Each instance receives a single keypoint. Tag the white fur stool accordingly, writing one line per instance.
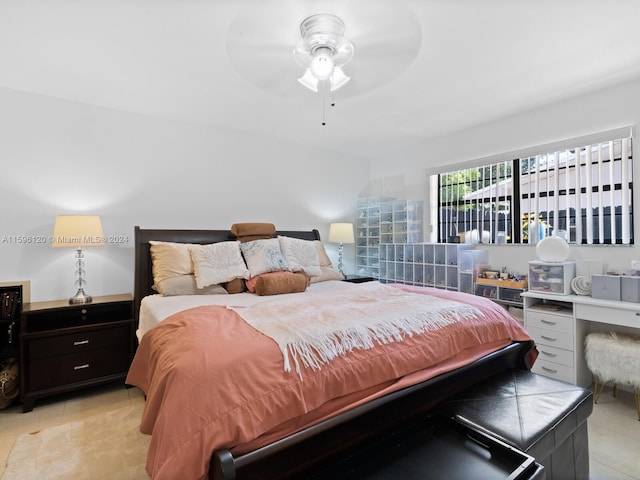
(614, 358)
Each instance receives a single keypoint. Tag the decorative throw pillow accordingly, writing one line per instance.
(217, 263)
(186, 285)
(247, 232)
(327, 272)
(301, 255)
(170, 260)
(276, 283)
(264, 256)
(235, 286)
(325, 261)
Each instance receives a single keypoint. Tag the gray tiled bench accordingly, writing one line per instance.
(540, 416)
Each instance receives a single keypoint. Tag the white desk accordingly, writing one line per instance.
(559, 332)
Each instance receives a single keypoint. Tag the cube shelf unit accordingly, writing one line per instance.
(384, 220)
(468, 264)
(422, 264)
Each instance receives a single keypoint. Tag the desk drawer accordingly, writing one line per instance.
(549, 321)
(619, 316)
(554, 370)
(552, 338)
(78, 342)
(555, 355)
(60, 370)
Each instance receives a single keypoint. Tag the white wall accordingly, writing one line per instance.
(605, 110)
(62, 157)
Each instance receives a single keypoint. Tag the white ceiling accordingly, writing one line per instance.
(422, 68)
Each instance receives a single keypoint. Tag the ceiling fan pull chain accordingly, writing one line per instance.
(323, 122)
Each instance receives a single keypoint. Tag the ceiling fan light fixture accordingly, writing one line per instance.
(322, 66)
(323, 50)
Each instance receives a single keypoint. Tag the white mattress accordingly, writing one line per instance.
(155, 308)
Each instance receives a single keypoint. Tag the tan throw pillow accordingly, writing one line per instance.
(235, 286)
(170, 260)
(278, 283)
(327, 273)
(186, 285)
(325, 261)
(218, 263)
(247, 232)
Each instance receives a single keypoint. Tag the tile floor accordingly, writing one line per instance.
(614, 431)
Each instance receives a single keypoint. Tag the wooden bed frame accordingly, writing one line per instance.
(334, 439)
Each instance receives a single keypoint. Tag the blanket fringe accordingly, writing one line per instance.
(317, 330)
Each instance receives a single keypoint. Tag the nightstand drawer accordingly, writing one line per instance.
(77, 315)
(79, 342)
(77, 367)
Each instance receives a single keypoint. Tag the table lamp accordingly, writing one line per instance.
(341, 233)
(78, 231)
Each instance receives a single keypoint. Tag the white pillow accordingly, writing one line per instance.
(217, 263)
(170, 260)
(301, 255)
(264, 256)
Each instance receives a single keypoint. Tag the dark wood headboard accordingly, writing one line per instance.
(143, 276)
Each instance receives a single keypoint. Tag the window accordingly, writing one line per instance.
(583, 193)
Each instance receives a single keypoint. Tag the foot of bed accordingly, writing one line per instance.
(222, 466)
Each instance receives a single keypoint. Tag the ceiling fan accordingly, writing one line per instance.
(378, 41)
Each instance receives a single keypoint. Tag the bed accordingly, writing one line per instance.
(309, 421)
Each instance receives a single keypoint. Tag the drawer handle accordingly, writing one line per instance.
(81, 367)
(550, 370)
(551, 339)
(548, 354)
(549, 322)
(81, 342)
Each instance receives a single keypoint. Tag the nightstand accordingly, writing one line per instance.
(67, 347)
(357, 279)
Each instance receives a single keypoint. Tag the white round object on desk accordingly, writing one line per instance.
(581, 286)
(552, 249)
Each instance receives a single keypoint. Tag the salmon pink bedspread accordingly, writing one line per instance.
(212, 381)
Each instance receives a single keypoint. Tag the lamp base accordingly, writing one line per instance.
(80, 297)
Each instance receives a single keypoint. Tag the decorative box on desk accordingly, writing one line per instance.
(551, 277)
(501, 291)
(67, 347)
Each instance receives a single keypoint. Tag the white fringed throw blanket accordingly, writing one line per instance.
(316, 327)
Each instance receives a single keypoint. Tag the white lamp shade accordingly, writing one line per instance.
(77, 231)
(309, 81)
(338, 79)
(341, 233)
